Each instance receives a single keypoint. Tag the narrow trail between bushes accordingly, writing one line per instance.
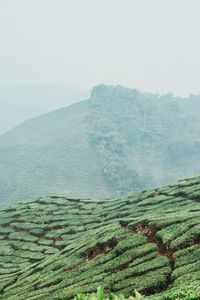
(163, 250)
(103, 248)
(150, 233)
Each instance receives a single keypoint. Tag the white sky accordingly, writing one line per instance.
(151, 45)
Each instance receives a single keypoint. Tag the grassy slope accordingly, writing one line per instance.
(52, 247)
(50, 155)
(22, 102)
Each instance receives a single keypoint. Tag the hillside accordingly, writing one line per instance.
(118, 141)
(24, 101)
(52, 247)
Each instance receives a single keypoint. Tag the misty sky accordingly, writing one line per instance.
(151, 45)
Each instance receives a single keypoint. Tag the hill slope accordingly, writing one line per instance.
(118, 141)
(50, 155)
(52, 247)
(22, 102)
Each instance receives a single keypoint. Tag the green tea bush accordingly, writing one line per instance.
(187, 291)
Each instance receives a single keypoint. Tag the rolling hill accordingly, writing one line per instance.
(52, 247)
(21, 102)
(118, 141)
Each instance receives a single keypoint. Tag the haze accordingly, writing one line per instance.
(53, 52)
(150, 45)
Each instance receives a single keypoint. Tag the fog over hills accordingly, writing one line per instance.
(22, 102)
(118, 141)
(99, 150)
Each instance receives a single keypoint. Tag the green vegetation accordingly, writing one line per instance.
(191, 292)
(117, 142)
(56, 247)
(99, 295)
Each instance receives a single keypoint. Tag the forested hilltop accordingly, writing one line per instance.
(118, 141)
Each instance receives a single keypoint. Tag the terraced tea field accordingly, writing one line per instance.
(54, 247)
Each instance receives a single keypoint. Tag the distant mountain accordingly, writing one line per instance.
(22, 102)
(54, 247)
(120, 140)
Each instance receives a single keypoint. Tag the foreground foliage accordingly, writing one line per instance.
(189, 292)
(99, 295)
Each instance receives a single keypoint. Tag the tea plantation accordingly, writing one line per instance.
(56, 247)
